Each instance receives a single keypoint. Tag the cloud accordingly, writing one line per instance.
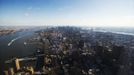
(30, 8)
(26, 14)
(64, 8)
(38, 8)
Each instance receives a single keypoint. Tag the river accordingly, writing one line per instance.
(16, 47)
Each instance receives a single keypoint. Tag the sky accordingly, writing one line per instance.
(98, 13)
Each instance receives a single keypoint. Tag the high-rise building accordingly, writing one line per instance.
(6, 72)
(11, 71)
(17, 64)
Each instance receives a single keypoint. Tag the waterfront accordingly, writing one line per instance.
(16, 49)
(70, 40)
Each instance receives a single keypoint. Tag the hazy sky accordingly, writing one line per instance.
(67, 12)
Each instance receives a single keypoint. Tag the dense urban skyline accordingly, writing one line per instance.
(67, 12)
